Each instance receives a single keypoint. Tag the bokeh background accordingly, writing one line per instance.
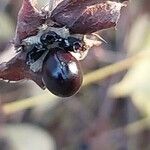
(112, 114)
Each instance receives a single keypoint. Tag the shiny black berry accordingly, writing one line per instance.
(62, 74)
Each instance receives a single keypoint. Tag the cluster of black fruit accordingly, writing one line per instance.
(61, 71)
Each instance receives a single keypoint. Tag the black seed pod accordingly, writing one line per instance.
(62, 74)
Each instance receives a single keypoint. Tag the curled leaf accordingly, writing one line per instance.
(87, 16)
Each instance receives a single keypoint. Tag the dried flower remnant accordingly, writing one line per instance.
(71, 17)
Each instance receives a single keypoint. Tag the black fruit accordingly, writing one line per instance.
(62, 74)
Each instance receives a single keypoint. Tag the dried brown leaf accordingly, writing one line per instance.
(87, 16)
(16, 69)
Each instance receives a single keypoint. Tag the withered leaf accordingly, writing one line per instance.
(29, 21)
(16, 69)
(87, 16)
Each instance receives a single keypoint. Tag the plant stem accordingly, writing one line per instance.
(138, 126)
(28, 103)
(105, 72)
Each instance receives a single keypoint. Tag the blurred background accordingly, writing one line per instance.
(113, 114)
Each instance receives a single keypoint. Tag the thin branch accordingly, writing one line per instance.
(105, 72)
(28, 103)
(138, 126)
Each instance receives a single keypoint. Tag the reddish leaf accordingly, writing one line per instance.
(16, 69)
(87, 16)
(29, 20)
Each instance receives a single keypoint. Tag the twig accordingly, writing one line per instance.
(107, 71)
(138, 126)
(28, 103)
